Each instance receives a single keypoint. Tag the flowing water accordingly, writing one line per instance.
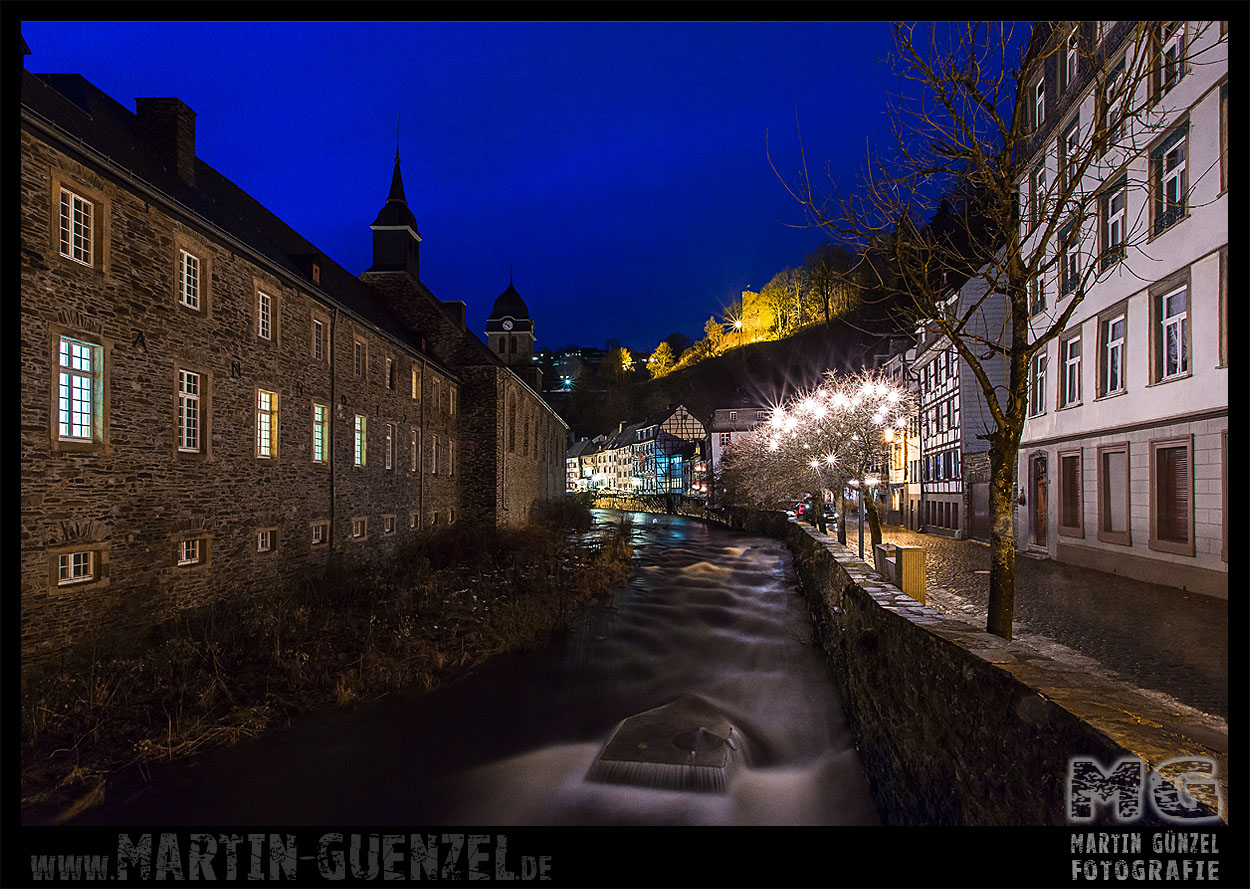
(708, 616)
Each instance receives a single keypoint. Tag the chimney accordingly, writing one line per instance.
(168, 126)
(456, 308)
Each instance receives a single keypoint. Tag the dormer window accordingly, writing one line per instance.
(316, 274)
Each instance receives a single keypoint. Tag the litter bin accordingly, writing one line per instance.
(903, 566)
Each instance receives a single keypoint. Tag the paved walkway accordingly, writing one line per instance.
(1158, 638)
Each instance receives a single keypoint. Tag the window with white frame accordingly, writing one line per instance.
(320, 421)
(264, 315)
(266, 424)
(266, 539)
(1070, 152)
(320, 532)
(76, 567)
(318, 340)
(1069, 260)
(390, 446)
(1113, 107)
(725, 439)
(189, 280)
(78, 390)
(1037, 294)
(1171, 56)
(76, 227)
(1174, 333)
(188, 411)
(360, 526)
(190, 552)
(1113, 209)
(1037, 385)
(359, 451)
(1070, 57)
(1037, 195)
(1039, 102)
(1169, 179)
(1070, 351)
(414, 450)
(1113, 330)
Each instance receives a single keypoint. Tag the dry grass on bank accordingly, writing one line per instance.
(454, 599)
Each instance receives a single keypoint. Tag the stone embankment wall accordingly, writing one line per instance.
(956, 726)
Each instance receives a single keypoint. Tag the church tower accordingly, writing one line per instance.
(395, 239)
(510, 335)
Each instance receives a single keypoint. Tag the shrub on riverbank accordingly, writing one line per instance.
(455, 598)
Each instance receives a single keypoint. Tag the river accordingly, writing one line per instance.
(710, 622)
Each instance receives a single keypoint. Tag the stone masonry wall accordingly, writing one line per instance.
(132, 497)
(955, 726)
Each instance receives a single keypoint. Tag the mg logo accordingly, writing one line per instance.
(1181, 789)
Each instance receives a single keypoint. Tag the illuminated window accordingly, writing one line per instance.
(360, 449)
(416, 387)
(78, 390)
(266, 424)
(320, 415)
(76, 227)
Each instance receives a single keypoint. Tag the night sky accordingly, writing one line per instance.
(619, 167)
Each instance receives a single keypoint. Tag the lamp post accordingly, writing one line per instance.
(738, 327)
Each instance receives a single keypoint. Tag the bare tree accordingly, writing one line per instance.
(1028, 209)
(833, 277)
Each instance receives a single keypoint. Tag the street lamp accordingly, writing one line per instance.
(738, 327)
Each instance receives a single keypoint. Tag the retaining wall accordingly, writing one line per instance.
(956, 726)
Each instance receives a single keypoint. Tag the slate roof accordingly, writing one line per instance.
(396, 212)
(509, 303)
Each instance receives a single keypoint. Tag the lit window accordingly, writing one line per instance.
(188, 411)
(416, 389)
(76, 227)
(76, 567)
(266, 424)
(264, 315)
(78, 386)
(188, 280)
(360, 445)
(265, 540)
(320, 414)
(188, 552)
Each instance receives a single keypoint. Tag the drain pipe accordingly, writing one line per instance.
(333, 424)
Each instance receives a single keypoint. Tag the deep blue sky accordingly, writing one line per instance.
(620, 167)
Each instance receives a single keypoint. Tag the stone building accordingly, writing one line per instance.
(210, 405)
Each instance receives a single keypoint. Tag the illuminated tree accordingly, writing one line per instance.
(617, 364)
(822, 439)
(978, 181)
(661, 360)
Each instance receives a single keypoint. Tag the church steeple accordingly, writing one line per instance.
(395, 238)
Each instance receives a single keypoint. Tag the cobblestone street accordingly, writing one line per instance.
(1155, 637)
